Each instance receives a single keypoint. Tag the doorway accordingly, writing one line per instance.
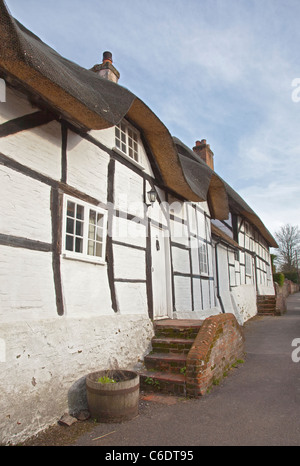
(161, 273)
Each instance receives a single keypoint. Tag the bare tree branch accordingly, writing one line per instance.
(288, 239)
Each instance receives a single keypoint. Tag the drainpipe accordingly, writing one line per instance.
(217, 272)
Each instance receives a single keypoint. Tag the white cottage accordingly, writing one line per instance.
(107, 223)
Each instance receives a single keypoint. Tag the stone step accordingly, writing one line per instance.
(168, 362)
(163, 382)
(172, 345)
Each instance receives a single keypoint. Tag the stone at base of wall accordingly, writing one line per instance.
(46, 361)
(218, 345)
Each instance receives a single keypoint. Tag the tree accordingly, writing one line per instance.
(288, 239)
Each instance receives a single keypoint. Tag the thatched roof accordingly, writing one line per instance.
(89, 102)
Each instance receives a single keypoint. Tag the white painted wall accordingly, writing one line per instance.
(87, 167)
(129, 263)
(132, 298)
(85, 288)
(39, 148)
(24, 206)
(128, 191)
(26, 285)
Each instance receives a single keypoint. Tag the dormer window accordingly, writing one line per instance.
(127, 142)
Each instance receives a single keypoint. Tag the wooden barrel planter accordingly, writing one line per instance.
(113, 402)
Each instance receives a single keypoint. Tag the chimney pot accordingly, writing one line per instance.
(204, 152)
(106, 69)
(107, 56)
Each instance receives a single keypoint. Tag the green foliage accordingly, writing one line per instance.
(279, 278)
(273, 259)
(293, 276)
(150, 381)
(106, 379)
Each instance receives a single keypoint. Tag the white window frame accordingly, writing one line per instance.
(203, 258)
(128, 142)
(83, 256)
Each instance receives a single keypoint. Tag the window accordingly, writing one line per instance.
(203, 258)
(84, 231)
(126, 141)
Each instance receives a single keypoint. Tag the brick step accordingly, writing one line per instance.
(266, 301)
(169, 362)
(165, 366)
(173, 328)
(163, 382)
(266, 307)
(171, 345)
(269, 296)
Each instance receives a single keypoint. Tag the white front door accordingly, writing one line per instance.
(161, 277)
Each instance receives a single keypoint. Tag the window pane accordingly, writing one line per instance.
(80, 210)
(100, 220)
(99, 234)
(98, 249)
(92, 230)
(70, 225)
(90, 248)
(69, 243)
(79, 228)
(78, 245)
(70, 209)
(92, 217)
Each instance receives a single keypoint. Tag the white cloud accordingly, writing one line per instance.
(274, 203)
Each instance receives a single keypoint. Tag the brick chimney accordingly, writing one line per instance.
(106, 69)
(204, 152)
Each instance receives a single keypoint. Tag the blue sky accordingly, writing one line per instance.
(220, 70)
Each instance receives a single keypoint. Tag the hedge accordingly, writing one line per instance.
(279, 278)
